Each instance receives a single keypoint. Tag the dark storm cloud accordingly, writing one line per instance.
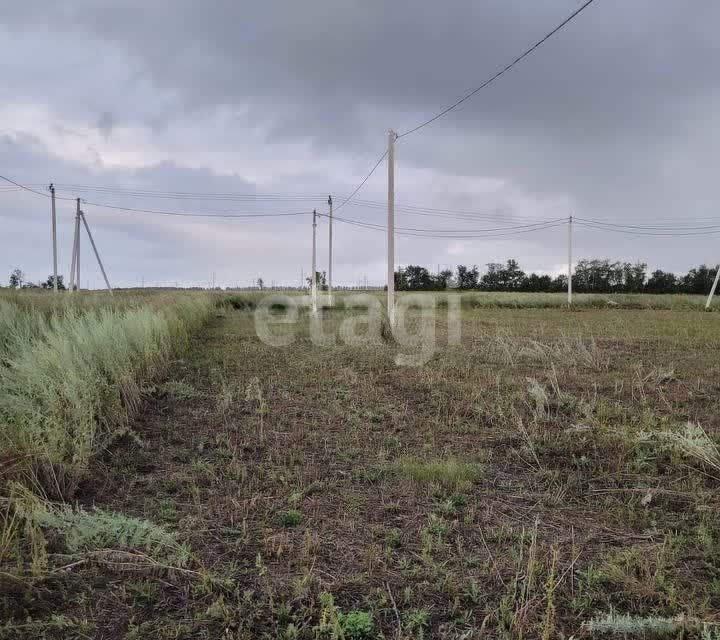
(619, 67)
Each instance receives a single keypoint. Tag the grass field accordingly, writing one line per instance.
(555, 474)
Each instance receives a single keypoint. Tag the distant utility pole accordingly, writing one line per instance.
(54, 237)
(714, 288)
(330, 255)
(313, 281)
(213, 280)
(97, 255)
(391, 228)
(570, 257)
(75, 266)
(302, 278)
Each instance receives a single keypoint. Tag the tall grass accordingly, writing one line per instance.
(249, 300)
(70, 383)
(16, 326)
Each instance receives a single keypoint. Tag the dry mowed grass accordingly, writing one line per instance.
(554, 466)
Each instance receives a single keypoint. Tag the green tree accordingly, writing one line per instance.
(698, 280)
(661, 282)
(320, 280)
(417, 278)
(49, 283)
(467, 278)
(17, 277)
(443, 280)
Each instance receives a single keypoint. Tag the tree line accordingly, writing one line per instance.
(590, 276)
(18, 281)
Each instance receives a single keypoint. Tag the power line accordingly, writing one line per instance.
(470, 95)
(499, 73)
(197, 215)
(163, 212)
(671, 229)
(455, 233)
(362, 184)
(421, 230)
(186, 195)
(26, 188)
(189, 195)
(448, 213)
(673, 234)
(674, 226)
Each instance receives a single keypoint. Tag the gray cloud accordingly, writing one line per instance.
(614, 118)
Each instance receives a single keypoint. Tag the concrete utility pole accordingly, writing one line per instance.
(392, 136)
(714, 288)
(97, 255)
(75, 267)
(313, 275)
(71, 284)
(54, 238)
(570, 257)
(77, 248)
(330, 255)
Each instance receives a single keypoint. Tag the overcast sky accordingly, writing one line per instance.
(615, 118)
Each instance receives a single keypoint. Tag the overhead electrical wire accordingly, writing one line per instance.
(281, 197)
(673, 234)
(454, 233)
(362, 183)
(180, 195)
(469, 95)
(501, 72)
(673, 229)
(674, 226)
(456, 215)
(422, 230)
(163, 212)
(197, 215)
(256, 198)
(29, 189)
(465, 236)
